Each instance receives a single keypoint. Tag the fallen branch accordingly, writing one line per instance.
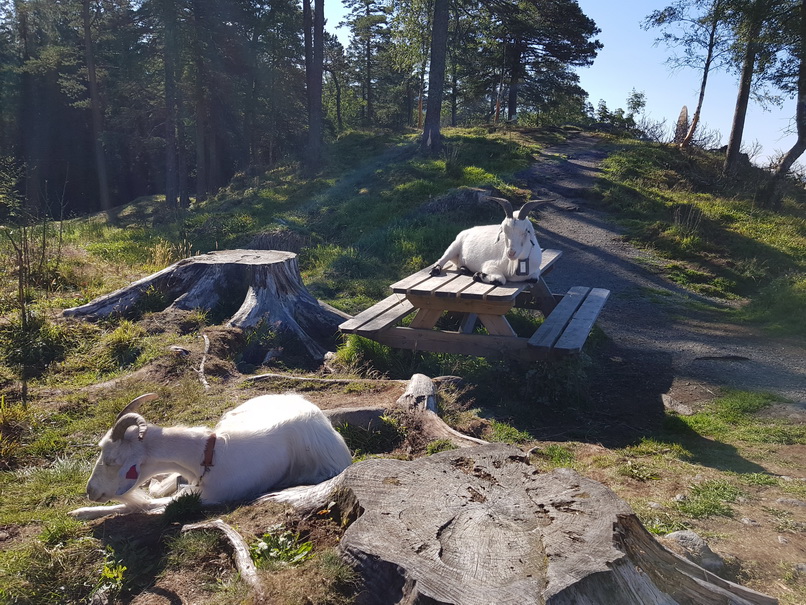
(243, 561)
(273, 376)
(200, 371)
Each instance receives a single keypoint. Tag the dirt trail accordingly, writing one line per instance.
(658, 341)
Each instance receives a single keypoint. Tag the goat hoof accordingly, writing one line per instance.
(436, 270)
(479, 276)
(465, 271)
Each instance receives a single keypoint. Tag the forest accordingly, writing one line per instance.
(104, 101)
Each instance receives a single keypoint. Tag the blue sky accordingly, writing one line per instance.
(631, 60)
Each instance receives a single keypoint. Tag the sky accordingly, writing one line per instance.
(631, 60)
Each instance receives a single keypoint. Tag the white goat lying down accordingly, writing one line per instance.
(496, 254)
(266, 443)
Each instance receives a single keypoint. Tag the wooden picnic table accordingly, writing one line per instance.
(568, 318)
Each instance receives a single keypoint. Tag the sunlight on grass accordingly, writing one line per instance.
(721, 244)
(506, 433)
(710, 498)
(733, 418)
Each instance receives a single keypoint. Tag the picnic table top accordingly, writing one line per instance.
(453, 284)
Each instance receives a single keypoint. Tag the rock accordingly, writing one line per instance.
(790, 502)
(696, 549)
(675, 406)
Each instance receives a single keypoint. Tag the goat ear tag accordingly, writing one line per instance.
(523, 267)
(132, 472)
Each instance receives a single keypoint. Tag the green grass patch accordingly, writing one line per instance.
(710, 498)
(554, 455)
(506, 433)
(734, 418)
(718, 241)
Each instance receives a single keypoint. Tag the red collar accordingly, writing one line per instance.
(208, 452)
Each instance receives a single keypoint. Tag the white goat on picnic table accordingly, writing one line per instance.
(268, 442)
(496, 254)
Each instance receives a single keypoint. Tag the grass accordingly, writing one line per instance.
(718, 241)
(380, 211)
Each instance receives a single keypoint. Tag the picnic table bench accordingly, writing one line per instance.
(568, 318)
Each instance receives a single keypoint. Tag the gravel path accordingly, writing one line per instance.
(659, 341)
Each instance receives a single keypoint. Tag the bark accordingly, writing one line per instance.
(243, 560)
(682, 126)
(200, 102)
(772, 192)
(432, 138)
(314, 80)
(481, 525)
(171, 54)
(266, 282)
(516, 71)
(709, 58)
(740, 113)
(95, 110)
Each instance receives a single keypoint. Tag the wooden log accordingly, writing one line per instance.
(482, 525)
(264, 285)
(243, 560)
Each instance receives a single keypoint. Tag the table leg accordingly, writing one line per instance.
(497, 325)
(544, 300)
(468, 323)
(426, 319)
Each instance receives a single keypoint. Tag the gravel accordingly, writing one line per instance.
(660, 341)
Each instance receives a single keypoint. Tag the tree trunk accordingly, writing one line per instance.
(314, 36)
(171, 54)
(432, 138)
(95, 110)
(199, 102)
(740, 113)
(265, 283)
(709, 57)
(771, 193)
(481, 525)
(516, 72)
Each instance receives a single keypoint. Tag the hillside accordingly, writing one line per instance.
(707, 308)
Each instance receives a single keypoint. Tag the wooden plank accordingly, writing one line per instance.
(538, 297)
(468, 323)
(482, 291)
(548, 260)
(428, 286)
(426, 318)
(575, 335)
(412, 280)
(480, 345)
(497, 325)
(379, 316)
(552, 328)
(462, 305)
(454, 287)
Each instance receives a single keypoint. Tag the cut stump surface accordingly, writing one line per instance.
(481, 525)
(255, 286)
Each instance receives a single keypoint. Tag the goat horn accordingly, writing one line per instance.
(528, 206)
(504, 204)
(125, 422)
(135, 404)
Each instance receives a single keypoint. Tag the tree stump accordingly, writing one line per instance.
(481, 525)
(257, 285)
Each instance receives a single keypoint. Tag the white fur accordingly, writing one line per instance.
(492, 252)
(266, 443)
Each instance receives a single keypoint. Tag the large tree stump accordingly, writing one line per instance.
(258, 285)
(481, 525)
